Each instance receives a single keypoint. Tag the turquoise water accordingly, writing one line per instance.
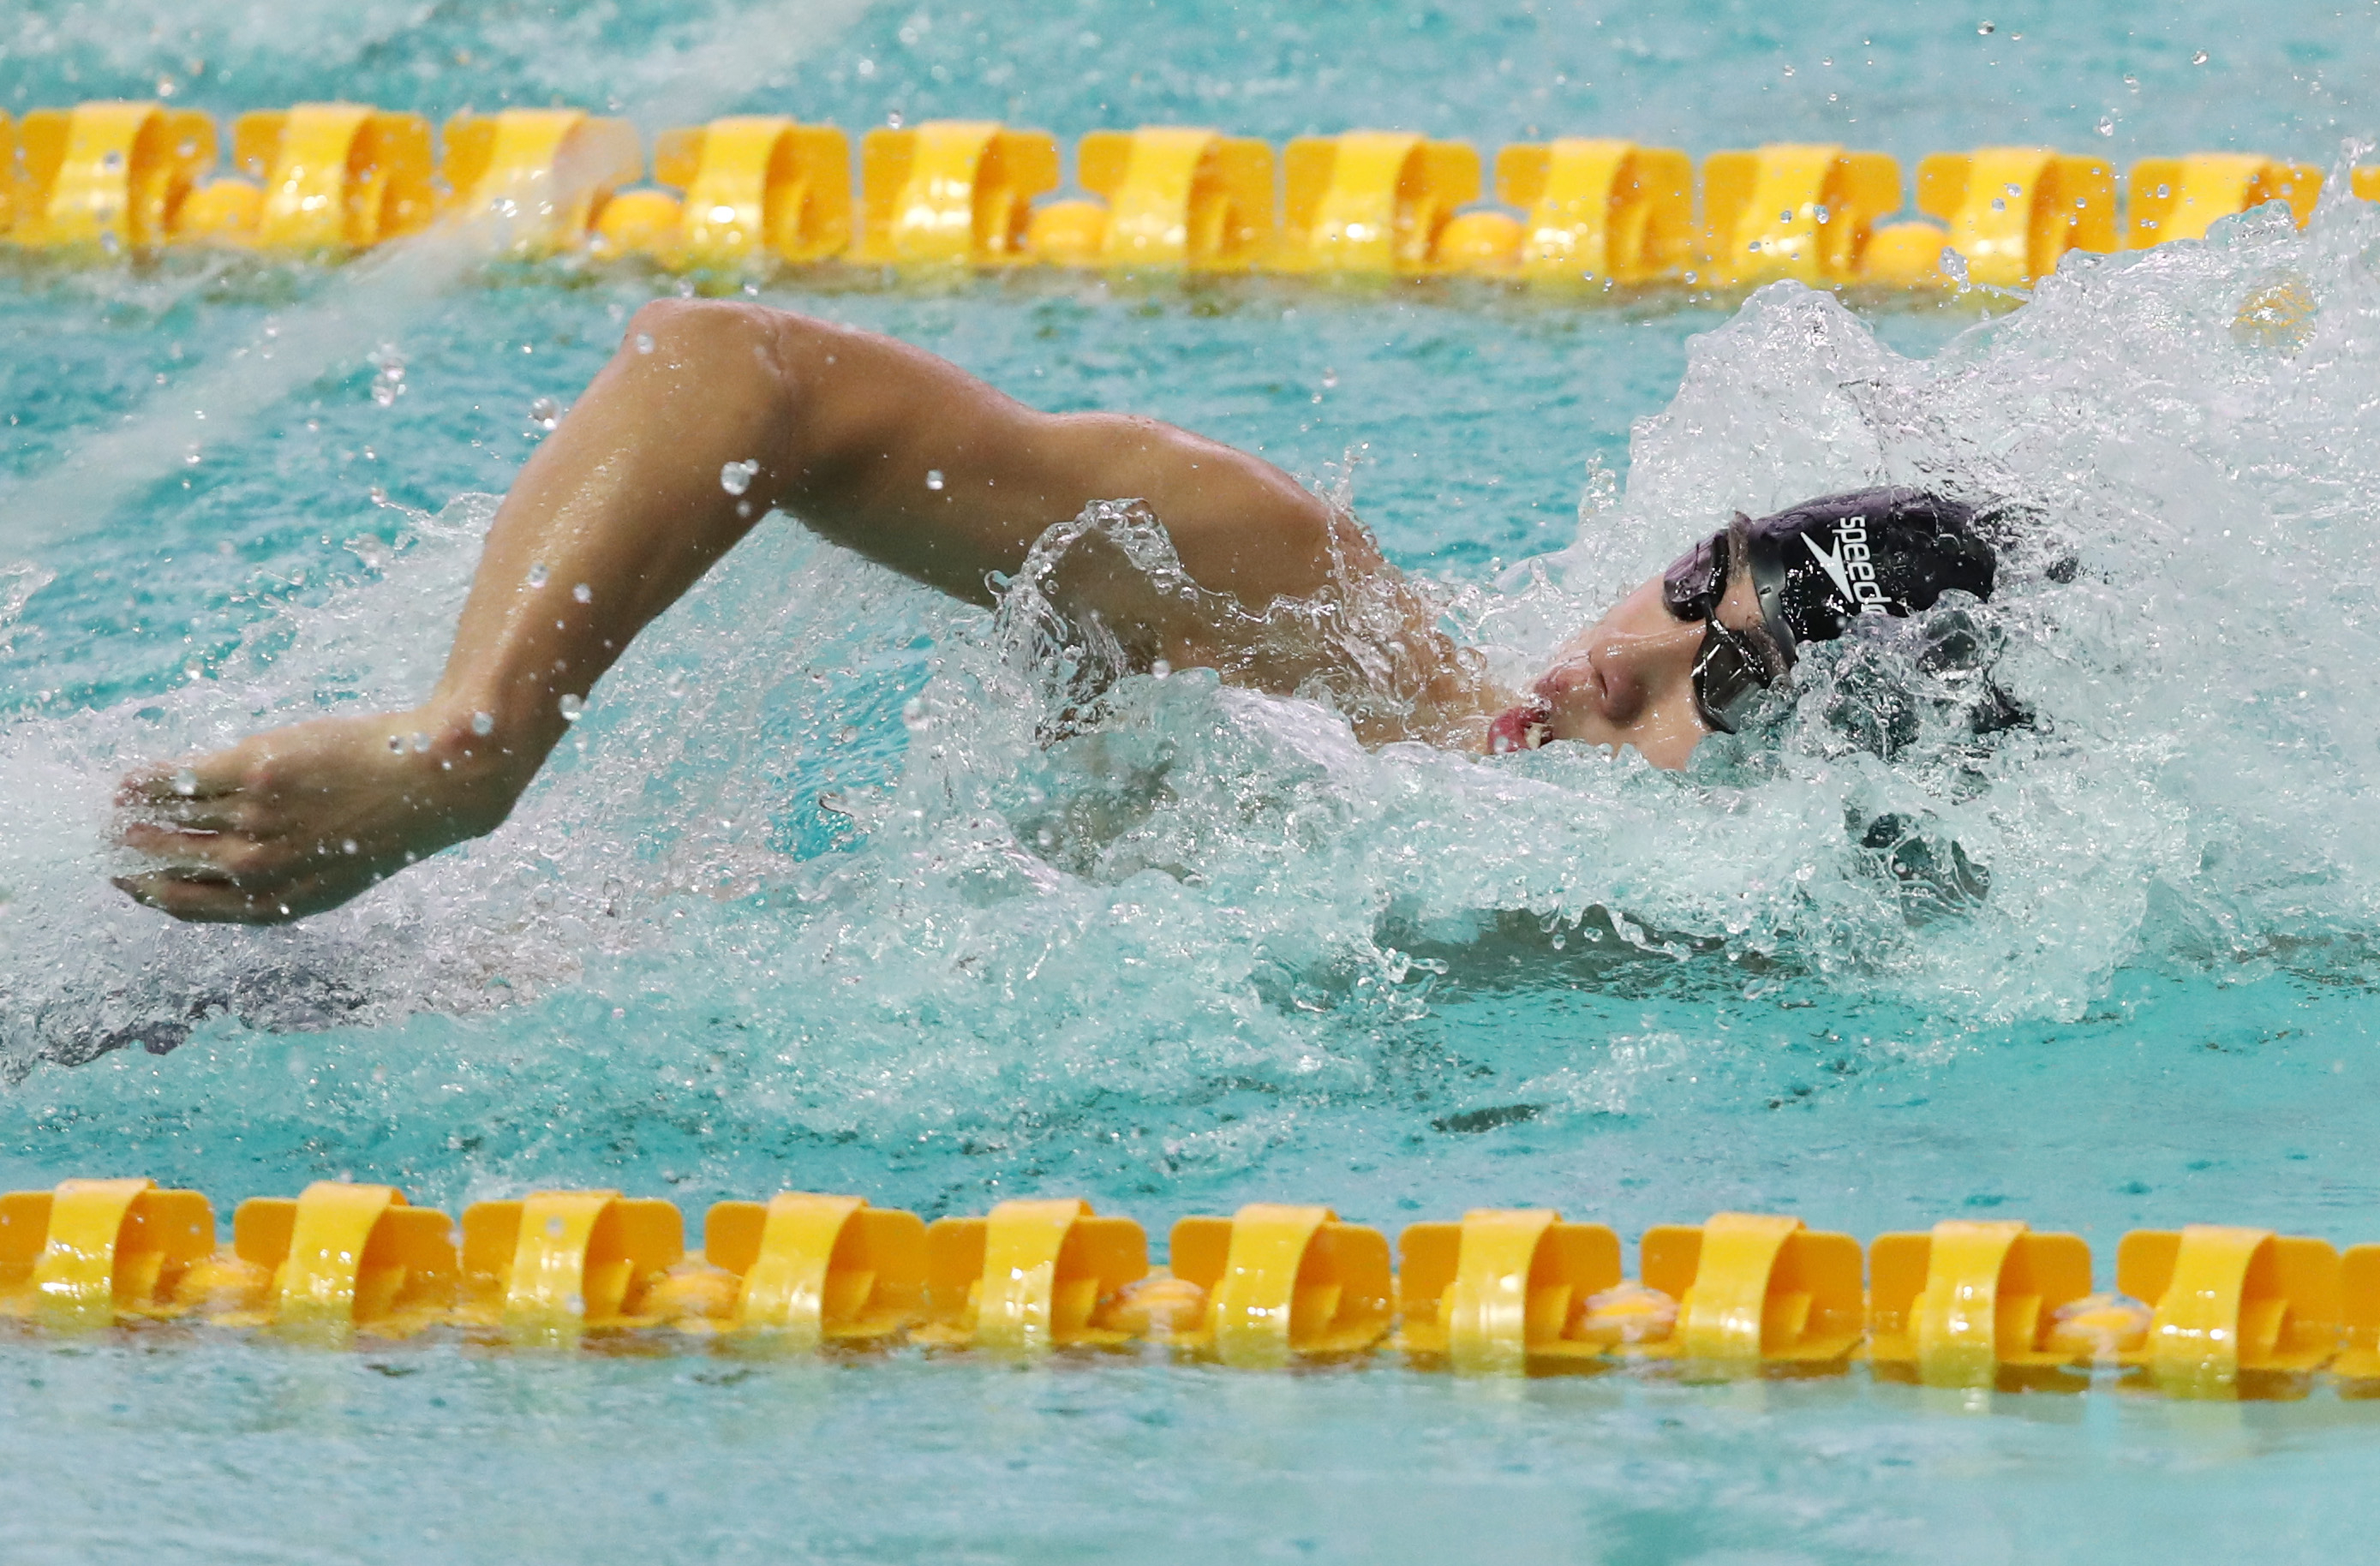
(805, 904)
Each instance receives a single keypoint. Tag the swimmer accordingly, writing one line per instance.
(713, 415)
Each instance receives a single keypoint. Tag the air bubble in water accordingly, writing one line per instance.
(2199, 58)
(538, 575)
(186, 783)
(644, 342)
(933, 478)
(388, 382)
(483, 724)
(736, 477)
(583, 593)
(348, 845)
(571, 707)
(420, 742)
(545, 413)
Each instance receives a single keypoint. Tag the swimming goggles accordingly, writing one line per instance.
(1732, 668)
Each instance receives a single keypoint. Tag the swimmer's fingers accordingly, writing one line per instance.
(203, 793)
(219, 837)
(209, 901)
(204, 777)
(233, 855)
(177, 852)
(232, 878)
(221, 814)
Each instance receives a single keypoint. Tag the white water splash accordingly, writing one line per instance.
(1207, 882)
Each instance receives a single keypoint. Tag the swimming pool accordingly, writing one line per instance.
(793, 909)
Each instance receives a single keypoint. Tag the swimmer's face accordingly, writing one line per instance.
(1627, 679)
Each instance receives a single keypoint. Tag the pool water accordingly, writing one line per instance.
(807, 903)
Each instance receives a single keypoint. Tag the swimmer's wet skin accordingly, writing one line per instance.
(906, 459)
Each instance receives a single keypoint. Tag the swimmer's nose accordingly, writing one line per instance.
(1623, 673)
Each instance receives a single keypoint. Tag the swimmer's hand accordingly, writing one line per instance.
(299, 820)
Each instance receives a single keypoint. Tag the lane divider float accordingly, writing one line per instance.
(2207, 1311)
(951, 193)
(106, 177)
(1595, 210)
(330, 179)
(1371, 202)
(540, 175)
(2012, 212)
(755, 187)
(1167, 197)
(1799, 211)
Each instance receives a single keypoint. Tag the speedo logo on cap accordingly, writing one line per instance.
(1849, 568)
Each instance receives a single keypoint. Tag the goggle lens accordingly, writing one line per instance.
(1730, 676)
(1731, 668)
(1692, 587)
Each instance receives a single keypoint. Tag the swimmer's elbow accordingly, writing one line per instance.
(743, 371)
(669, 328)
(717, 344)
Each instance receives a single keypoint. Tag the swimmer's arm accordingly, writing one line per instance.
(875, 444)
(622, 511)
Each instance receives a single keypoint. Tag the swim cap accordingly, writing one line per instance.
(1890, 551)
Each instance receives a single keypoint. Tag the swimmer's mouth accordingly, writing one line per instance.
(1519, 728)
